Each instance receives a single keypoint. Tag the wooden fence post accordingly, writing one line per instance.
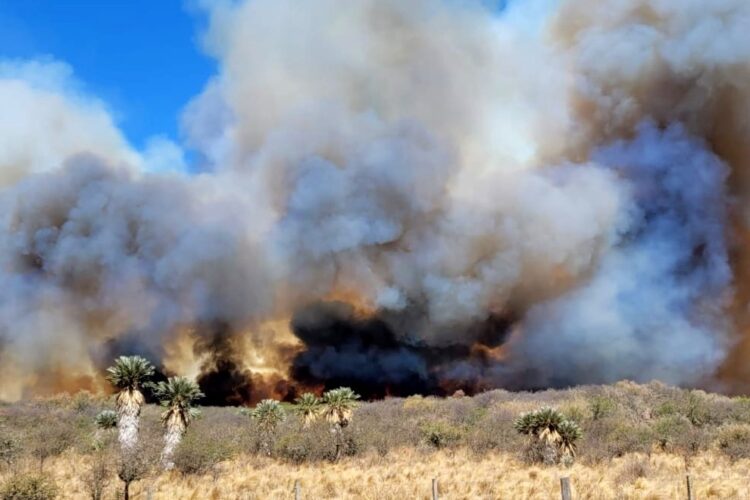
(297, 495)
(434, 489)
(689, 487)
(565, 488)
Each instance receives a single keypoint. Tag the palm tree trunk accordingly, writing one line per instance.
(338, 436)
(266, 439)
(129, 411)
(172, 439)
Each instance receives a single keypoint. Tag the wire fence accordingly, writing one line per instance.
(566, 489)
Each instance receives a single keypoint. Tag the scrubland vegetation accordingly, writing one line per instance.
(633, 441)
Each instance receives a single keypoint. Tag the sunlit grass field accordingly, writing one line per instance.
(639, 441)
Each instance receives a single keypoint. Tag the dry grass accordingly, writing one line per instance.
(638, 442)
(407, 474)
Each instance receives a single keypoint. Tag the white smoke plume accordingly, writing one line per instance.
(429, 194)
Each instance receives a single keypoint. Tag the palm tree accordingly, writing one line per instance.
(128, 374)
(105, 422)
(106, 419)
(553, 431)
(308, 406)
(177, 394)
(338, 406)
(267, 414)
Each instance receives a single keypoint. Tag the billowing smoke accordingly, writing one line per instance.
(402, 197)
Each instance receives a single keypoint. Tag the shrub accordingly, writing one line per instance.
(82, 402)
(440, 434)
(741, 409)
(28, 487)
(601, 406)
(536, 451)
(697, 409)
(309, 444)
(574, 412)
(98, 476)
(51, 440)
(384, 425)
(495, 432)
(670, 430)
(419, 404)
(132, 466)
(612, 437)
(198, 455)
(734, 441)
(9, 449)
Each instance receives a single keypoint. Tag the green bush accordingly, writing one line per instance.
(740, 409)
(697, 408)
(311, 444)
(734, 440)
(612, 437)
(574, 412)
(601, 406)
(670, 430)
(198, 455)
(28, 487)
(440, 434)
(666, 409)
(494, 432)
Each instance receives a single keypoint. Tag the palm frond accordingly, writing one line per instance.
(268, 414)
(308, 406)
(570, 433)
(129, 372)
(176, 391)
(307, 400)
(307, 403)
(550, 426)
(338, 404)
(177, 395)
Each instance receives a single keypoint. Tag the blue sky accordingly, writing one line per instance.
(142, 57)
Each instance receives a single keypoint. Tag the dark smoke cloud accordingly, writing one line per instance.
(363, 353)
(371, 356)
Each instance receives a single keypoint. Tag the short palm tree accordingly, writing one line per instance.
(308, 406)
(550, 427)
(128, 374)
(267, 414)
(338, 407)
(106, 422)
(106, 419)
(177, 395)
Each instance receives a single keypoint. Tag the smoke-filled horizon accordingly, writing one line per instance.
(401, 197)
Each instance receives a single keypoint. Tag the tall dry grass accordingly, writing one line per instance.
(407, 474)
